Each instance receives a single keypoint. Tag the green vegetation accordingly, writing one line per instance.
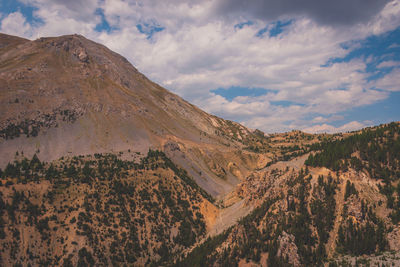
(252, 243)
(31, 127)
(131, 206)
(261, 230)
(359, 239)
(148, 212)
(323, 208)
(374, 150)
(200, 255)
(365, 234)
(378, 150)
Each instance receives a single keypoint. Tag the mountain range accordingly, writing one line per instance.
(102, 167)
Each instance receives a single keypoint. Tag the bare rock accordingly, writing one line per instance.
(288, 249)
(82, 55)
(394, 238)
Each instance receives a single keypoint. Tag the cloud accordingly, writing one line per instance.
(201, 49)
(326, 128)
(388, 64)
(390, 82)
(320, 119)
(394, 46)
(15, 24)
(77, 9)
(388, 19)
(340, 12)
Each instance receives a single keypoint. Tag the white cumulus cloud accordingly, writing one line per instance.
(15, 24)
(326, 128)
(199, 49)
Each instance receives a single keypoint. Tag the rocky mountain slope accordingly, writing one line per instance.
(336, 206)
(99, 166)
(112, 210)
(70, 96)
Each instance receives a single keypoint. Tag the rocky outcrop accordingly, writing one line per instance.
(288, 249)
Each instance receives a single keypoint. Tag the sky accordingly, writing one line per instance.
(275, 65)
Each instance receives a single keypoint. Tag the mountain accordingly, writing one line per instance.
(336, 206)
(70, 96)
(102, 167)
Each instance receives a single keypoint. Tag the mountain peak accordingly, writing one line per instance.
(74, 43)
(103, 167)
(68, 95)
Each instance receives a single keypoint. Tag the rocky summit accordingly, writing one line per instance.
(99, 166)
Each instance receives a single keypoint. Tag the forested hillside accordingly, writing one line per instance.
(313, 217)
(376, 150)
(98, 210)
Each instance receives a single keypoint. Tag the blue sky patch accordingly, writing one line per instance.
(261, 32)
(103, 25)
(373, 50)
(383, 111)
(242, 24)
(234, 91)
(149, 29)
(379, 46)
(278, 27)
(7, 7)
(274, 28)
